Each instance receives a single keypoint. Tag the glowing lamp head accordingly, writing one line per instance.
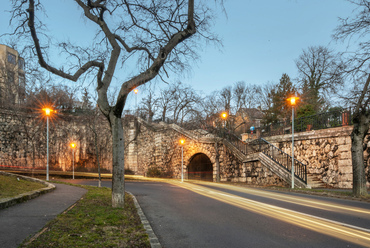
(223, 115)
(73, 145)
(136, 91)
(47, 111)
(293, 100)
(182, 141)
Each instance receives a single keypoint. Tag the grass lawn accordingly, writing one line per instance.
(92, 222)
(10, 186)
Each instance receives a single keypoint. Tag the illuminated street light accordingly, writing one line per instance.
(136, 91)
(73, 146)
(293, 102)
(48, 112)
(224, 117)
(182, 143)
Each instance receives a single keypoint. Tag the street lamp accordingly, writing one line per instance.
(293, 101)
(48, 112)
(136, 91)
(224, 117)
(73, 146)
(182, 142)
(136, 128)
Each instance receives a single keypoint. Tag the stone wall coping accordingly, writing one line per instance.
(314, 134)
(163, 126)
(10, 201)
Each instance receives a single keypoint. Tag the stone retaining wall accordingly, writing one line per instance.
(23, 141)
(327, 154)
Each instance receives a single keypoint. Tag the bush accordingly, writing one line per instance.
(129, 172)
(153, 172)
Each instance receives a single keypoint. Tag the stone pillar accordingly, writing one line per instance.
(132, 149)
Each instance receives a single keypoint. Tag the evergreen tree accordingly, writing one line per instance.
(280, 110)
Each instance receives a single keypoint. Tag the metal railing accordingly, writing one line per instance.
(285, 160)
(260, 145)
(325, 120)
(236, 141)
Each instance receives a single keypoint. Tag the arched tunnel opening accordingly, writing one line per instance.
(200, 168)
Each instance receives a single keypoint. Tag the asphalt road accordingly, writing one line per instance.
(213, 215)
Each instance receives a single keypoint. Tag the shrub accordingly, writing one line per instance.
(153, 172)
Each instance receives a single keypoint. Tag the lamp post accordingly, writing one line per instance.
(182, 142)
(136, 129)
(48, 112)
(73, 146)
(293, 101)
(136, 91)
(224, 117)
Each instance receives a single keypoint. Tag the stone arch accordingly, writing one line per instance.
(200, 167)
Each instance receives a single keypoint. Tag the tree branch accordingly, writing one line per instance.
(43, 63)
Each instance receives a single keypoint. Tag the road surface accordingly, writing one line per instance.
(219, 215)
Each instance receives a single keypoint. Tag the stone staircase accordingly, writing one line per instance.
(314, 182)
(280, 171)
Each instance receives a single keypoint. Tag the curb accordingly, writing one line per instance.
(154, 242)
(11, 201)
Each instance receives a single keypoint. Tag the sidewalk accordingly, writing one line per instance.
(26, 219)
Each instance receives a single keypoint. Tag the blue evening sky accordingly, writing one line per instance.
(262, 39)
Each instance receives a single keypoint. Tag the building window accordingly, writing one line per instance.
(21, 89)
(22, 81)
(10, 77)
(21, 64)
(11, 58)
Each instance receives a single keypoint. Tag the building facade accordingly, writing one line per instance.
(12, 77)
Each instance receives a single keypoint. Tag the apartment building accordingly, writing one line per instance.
(12, 77)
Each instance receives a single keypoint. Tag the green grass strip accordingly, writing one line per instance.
(12, 186)
(92, 222)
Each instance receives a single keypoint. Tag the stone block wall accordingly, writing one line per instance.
(23, 141)
(257, 174)
(327, 154)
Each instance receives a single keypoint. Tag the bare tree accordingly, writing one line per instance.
(316, 67)
(239, 95)
(253, 96)
(246, 95)
(149, 105)
(356, 67)
(184, 102)
(265, 95)
(225, 97)
(165, 99)
(210, 104)
(157, 32)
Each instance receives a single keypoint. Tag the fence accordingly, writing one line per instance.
(330, 119)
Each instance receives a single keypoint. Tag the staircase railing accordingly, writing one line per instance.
(285, 160)
(261, 145)
(236, 142)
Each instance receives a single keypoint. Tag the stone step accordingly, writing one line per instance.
(315, 182)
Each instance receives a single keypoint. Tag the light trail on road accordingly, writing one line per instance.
(294, 199)
(354, 234)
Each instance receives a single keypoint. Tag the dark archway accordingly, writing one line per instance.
(200, 168)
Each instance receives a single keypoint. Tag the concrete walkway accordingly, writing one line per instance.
(26, 219)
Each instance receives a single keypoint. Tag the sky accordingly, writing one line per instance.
(261, 39)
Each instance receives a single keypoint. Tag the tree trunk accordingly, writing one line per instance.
(360, 129)
(118, 176)
(97, 150)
